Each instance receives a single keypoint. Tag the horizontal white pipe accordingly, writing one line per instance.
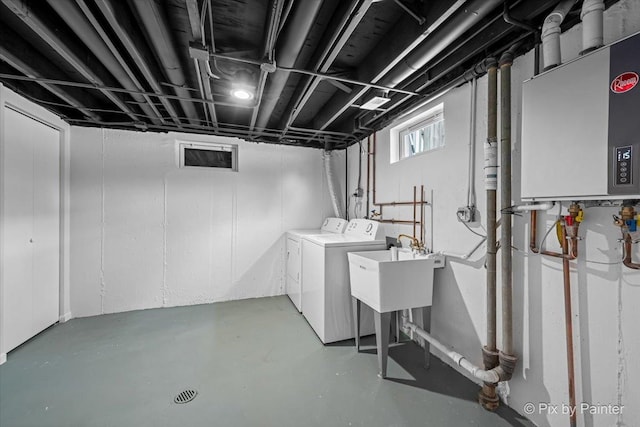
(479, 373)
(465, 256)
(535, 207)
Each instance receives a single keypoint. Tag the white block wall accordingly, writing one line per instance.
(145, 233)
(606, 294)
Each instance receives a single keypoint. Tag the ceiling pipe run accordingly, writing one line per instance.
(474, 12)
(25, 69)
(109, 13)
(271, 35)
(592, 25)
(201, 65)
(340, 36)
(436, 38)
(436, 71)
(154, 22)
(22, 11)
(292, 39)
(551, 34)
(78, 22)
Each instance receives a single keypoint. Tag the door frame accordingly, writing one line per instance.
(11, 99)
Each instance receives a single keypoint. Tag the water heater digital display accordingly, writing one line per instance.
(623, 168)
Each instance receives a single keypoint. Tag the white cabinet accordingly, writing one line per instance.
(30, 228)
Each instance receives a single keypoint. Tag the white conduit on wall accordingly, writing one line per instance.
(335, 200)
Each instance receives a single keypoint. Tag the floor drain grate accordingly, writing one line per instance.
(185, 396)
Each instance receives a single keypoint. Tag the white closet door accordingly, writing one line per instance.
(31, 227)
(46, 227)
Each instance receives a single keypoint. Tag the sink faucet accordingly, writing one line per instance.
(416, 246)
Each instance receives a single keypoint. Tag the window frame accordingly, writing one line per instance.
(217, 147)
(421, 121)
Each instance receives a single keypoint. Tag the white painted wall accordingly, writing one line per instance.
(145, 233)
(605, 293)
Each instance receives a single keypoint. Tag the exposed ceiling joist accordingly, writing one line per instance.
(28, 71)
(202, 65)
(29, 17)
(152, 16)
(311, 64)
(125, 38)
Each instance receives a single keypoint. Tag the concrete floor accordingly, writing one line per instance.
(254, 363)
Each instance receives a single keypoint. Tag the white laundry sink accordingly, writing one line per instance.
(387, 285)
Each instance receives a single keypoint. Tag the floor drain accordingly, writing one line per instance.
(185, 396)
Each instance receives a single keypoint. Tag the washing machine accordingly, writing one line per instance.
(326, 293)
(293, 260)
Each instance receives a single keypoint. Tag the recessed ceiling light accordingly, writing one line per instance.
(241, 93)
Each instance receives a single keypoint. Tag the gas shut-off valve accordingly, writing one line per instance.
(573, 220)
(628, 220)
(628, 223)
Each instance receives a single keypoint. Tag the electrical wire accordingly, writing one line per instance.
(469, 228)
(552, 226)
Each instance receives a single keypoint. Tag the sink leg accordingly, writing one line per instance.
(397, 320)
(426, 325)
(383, 326)
(394, 327)
(355, 302)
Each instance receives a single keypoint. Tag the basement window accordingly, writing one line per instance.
(426, 133)
(217, 156)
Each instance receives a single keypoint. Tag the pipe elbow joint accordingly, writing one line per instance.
(506, 367)
(589, 6)
(506, 59)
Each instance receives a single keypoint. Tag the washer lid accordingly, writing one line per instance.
(335, 240)
(329, 226)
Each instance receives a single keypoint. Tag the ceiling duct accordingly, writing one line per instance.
(155, 24)
(292, 40)
(439, 40)
(76, 20)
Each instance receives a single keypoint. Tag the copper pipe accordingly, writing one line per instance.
(569, 326)
(534, 246)
(414, 210)
(372, 154)
(533, 225)
(374, 168)
(422, 236)
(368, 171)
(394, 221)
(396, 203)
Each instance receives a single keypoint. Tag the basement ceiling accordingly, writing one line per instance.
(306, 66)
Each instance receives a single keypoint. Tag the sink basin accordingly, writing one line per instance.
(389, 285)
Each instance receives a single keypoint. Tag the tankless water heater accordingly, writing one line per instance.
(581, 127)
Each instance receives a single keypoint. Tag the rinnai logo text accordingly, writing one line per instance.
(624, 82)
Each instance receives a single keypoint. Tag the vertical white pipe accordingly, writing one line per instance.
(592, 24)
(551, 34)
